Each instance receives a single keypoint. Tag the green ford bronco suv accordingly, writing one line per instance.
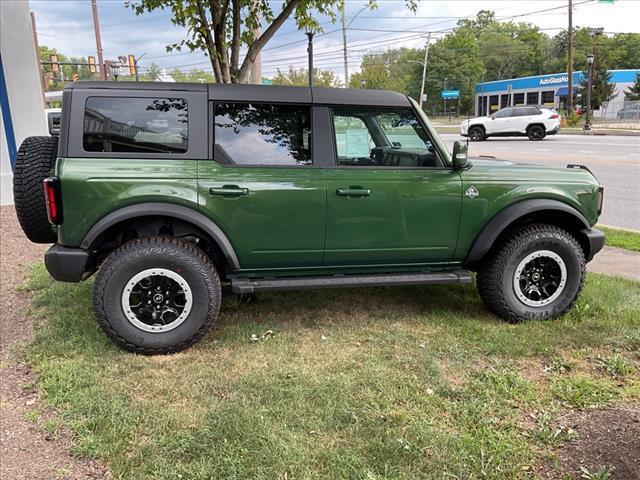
(169, 191)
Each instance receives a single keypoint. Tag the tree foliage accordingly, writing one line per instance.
(300, 77)
(633, 92)
(483, 49)
(221, 28)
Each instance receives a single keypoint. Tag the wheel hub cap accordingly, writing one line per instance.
(540, 278)
(157, 300)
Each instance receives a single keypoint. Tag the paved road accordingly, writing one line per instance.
(615, 160)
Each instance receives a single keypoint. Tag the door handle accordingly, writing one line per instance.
(353, 192)
(229, 191)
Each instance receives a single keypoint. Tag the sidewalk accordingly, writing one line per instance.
(616, 262)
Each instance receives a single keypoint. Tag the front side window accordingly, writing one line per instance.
(366, 137)
(135, 125)
(262, 134)
(504, 113)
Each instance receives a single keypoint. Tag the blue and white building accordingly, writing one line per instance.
(550, 90)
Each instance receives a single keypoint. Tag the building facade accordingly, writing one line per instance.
(550, 90)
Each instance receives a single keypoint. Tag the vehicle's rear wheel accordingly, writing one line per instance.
(536, 273)
(34, 162)
(476, 134)
(536, 132)
(156, 295)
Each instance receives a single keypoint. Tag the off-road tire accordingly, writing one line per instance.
(156, 252)
(477, 134)
(536, 133)
(34, 162)
(495, 277)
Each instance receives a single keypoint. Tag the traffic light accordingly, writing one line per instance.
(132, 65)
(54, 63)
(92, 64)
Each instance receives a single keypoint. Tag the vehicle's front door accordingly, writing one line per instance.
(390, 199)
(502, 122)
(262, 188)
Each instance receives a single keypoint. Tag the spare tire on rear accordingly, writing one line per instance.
(34, 162)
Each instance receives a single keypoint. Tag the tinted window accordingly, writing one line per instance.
(518, 98)
(548, 97)
(532, 98)
(135, 125)
(262, 134)
(381, 138)
(507, 112)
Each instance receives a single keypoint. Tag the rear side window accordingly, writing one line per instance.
(262, 134)
(135, 125)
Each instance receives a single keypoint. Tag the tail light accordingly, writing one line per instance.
(600, 199)
(554, 115)
(53, 200)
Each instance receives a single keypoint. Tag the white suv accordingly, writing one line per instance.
(536, 122)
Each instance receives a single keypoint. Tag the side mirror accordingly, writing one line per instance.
(53, 121)
(459, 155)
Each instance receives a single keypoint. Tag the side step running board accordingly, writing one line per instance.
(252, 285)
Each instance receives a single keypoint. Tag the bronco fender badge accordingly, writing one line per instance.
(472, 192)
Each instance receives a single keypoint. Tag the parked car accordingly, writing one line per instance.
(170, 192)
(535, 122)
(630, 111)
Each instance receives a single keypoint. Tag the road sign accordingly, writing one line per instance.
(449, 94)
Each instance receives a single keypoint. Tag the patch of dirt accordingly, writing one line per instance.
(27, 452)
(605, 438)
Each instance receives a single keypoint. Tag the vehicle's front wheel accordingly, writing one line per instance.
(476, 134)
(536, 273)
(156, 295)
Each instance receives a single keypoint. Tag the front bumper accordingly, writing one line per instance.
(595, 240)
(66, 264)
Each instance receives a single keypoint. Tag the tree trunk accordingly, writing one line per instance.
(258, 44)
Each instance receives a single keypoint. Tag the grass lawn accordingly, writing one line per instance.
(401, 383)
(621, 238)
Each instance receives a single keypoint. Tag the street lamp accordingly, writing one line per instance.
(587, 121)
(310, 31)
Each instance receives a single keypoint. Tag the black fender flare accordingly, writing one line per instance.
(490, 232)
(164, 210)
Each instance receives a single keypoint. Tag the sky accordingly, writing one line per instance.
(67, 26)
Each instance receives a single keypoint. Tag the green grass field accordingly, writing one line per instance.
(621, 238)
(398, 383)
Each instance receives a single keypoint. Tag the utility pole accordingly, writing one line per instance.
(570, 60)
(344, 47)
(345, 27)
(310, 33)
(96, 27)
(444, 100)
(35, 43)
(424, 69)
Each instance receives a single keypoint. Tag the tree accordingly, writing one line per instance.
(602, 88)
(152, 73)
(221, 27)
(194, 75)
(633, 92)
(300, 77)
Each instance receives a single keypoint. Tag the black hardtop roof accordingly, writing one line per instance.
(262, 93)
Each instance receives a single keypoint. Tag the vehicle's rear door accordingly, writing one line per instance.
(262, 187)
(390, 199)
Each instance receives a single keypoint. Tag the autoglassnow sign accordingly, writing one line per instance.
(554, 80)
